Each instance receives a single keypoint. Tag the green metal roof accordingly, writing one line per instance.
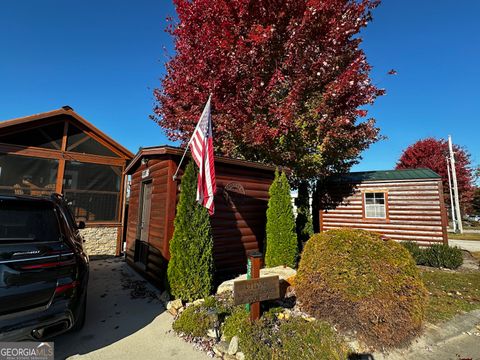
(404, 174)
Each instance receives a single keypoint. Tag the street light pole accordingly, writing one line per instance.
(455, 185)
(452, 205)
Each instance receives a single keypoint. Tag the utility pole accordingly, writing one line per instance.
(455, 185)
(452, 205)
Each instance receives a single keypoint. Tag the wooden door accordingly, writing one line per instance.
(144, 220)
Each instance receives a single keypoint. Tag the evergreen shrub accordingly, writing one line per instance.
(190, 269)
(415, 250)
(437, 255)
(195, 321)
(292, 339)
(442, 255)
(303, 222)
(362, 284)
(281, 237)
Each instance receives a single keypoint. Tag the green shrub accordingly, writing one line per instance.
(235, 323)
(357, 281)
(303, 222)
(190, 269)
(302, 340)
(197, 319)
(194, 320)
(442, 255)
(415, 250)
(293, 339)
(437, 255)
(281, 239)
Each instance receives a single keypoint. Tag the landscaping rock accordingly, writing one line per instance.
(284, 273)
(199, 302)
(233, 346)
(173, 311)
(220, 348)
(240, 356)
(176, 304)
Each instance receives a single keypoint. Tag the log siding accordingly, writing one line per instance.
(415, 211)
(238, 225)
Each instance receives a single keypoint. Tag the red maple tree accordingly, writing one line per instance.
(432, 154)
(288, 78)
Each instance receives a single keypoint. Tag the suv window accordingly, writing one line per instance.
(28, 221)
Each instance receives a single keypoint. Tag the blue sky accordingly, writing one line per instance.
(103, 58)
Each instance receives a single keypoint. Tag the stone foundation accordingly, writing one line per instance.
(100, 240)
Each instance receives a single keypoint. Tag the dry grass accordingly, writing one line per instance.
(466, 236)
(451, 292)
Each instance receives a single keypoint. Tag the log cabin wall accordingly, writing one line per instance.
(415, 211)
(238, 225)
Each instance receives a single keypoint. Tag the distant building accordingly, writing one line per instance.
(400, 204)
(59, 151)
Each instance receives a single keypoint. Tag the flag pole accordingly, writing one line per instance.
(186, 148)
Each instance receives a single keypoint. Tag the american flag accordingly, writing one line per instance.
(201, 146)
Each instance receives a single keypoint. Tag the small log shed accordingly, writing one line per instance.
(238, 224)
(402, 205)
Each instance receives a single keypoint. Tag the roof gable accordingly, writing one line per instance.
(41, 119)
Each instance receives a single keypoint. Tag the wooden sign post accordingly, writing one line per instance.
(255, 289)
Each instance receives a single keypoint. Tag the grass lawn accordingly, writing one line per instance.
(451, 293)
(467, 236)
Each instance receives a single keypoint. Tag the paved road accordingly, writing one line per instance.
(470, 245)
(125, 320)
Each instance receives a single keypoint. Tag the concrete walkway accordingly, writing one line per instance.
(125, 320)
(456, 339)
(470, 245)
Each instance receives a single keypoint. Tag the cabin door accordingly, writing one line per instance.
(144, 220)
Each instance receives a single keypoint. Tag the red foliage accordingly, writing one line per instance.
(288, 80)
(431, 153)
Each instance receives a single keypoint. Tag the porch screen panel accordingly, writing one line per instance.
(47, 136)
(78, 141)
(24, 175)
(92, 190)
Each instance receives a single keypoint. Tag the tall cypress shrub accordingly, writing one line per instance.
(190, 269)
(303, 221)
(281, 247)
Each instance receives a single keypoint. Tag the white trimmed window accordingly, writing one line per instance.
(375, 205)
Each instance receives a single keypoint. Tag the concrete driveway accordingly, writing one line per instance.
(125, 320)
(470, 245)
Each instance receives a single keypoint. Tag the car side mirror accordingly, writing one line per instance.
(81, 225)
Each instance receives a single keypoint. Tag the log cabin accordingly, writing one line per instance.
(238, 225)
(403, 205)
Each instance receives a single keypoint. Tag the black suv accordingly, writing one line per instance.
(43, 269)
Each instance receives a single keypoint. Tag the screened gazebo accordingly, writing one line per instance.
(59, 151)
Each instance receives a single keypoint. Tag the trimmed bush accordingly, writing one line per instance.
(303, 222)
(415, 250)
(302, 340)
(281, 239)
(437, 255)
(195, 321)
(362, 284)
(442, 255)
(293, 339)
(190, 269)
(236, 322)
